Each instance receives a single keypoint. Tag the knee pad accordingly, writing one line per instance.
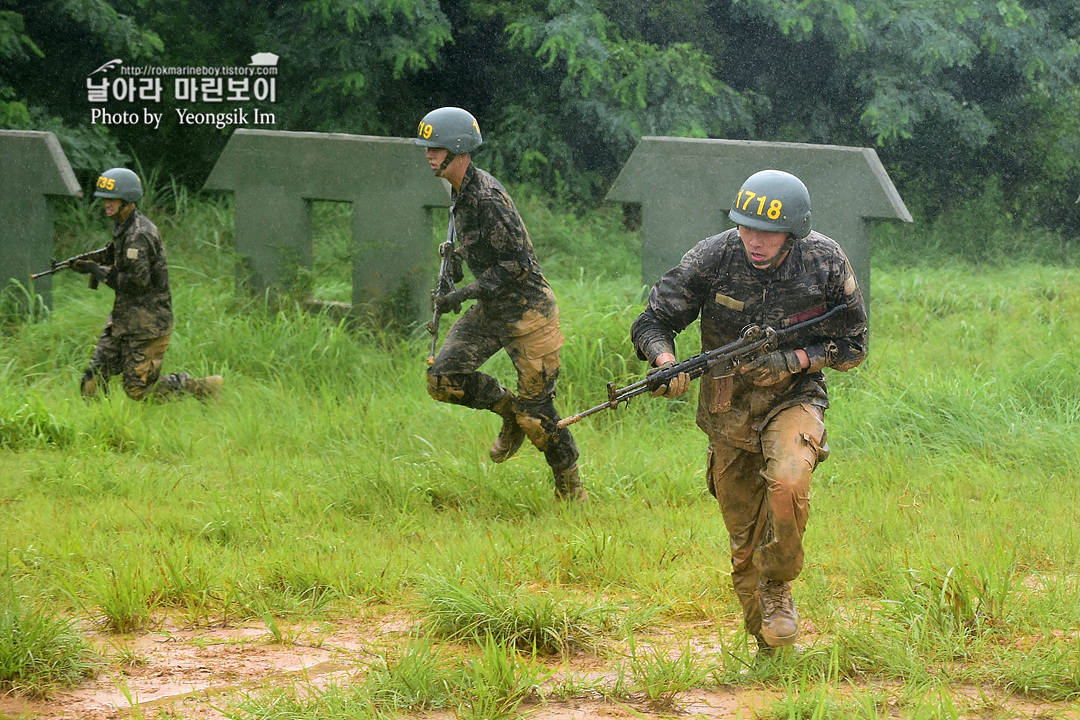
(534, 430)
(444, 389)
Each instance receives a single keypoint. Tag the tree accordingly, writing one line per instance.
(37, 40)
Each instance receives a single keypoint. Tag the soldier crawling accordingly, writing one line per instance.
(137, 330)
(766, 422)
(515, 308)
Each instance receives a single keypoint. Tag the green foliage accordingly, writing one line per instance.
(326, 484)
(484, 612)
(26, 422)
(662, 673)
(38, 649)
(414, 677)
(19, 304)
(619, 88)
(496, 683)
(37, 43)
(954, 95)
(984, 229)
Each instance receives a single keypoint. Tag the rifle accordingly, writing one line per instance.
(722, 361)
(443, 284)
(55, 267)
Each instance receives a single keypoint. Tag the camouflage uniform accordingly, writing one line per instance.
(515, 311)
(137, 330)
(764, 441)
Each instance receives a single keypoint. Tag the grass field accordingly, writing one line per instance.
(326, 487)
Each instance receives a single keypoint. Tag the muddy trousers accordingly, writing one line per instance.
(138, 361)
(455, 377)
(765, 500)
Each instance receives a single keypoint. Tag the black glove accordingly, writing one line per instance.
(674, 387)
(451, 301)
(772, 368)
(101, 273)
(457, 269)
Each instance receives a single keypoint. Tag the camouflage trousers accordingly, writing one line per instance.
(138, 361)
(533, 346)
(765, 500)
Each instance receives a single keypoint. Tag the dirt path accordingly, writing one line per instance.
(198, 674)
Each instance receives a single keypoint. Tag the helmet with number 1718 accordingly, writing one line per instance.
(774, 201)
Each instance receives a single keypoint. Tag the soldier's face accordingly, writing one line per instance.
(764, 249)
(112, 206)
(435, 157)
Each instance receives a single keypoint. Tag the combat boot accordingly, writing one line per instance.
(510, 435)
(779, 621)
(89, 387)
(568, 486)
(208, 387)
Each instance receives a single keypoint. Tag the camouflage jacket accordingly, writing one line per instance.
(493, 242)
(140, 277)
(715, 281)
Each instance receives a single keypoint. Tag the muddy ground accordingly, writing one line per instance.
(202, 674)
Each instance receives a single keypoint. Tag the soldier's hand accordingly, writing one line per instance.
(457, 269)
(89, 267)
(772, 368)
(451, 302)
(674, 387)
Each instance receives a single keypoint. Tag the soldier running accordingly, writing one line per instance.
(766, 423)
(515, 309)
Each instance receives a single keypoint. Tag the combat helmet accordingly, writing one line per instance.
(451, 128)
(119, 183)
(773, 201)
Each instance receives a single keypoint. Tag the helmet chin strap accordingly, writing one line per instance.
(445, 163)
(774, 261)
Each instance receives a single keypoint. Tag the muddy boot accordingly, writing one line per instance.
(779, 621)
(510, 435)
(568, 486)
(92, 386)
(206, 387)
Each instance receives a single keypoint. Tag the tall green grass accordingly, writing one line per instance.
(941, 550)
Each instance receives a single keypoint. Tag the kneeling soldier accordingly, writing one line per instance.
(141, 322)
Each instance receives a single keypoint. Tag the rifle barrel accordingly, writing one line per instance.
(753, 339)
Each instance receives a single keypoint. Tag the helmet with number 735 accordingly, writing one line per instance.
(451, 128)
(118, 183)
(774, 201)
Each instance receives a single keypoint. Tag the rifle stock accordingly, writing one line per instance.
(753, 343)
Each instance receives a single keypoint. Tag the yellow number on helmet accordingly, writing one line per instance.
(775, 209)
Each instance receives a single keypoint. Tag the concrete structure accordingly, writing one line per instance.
(685, 187)
(33, 168)
(277, 175)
